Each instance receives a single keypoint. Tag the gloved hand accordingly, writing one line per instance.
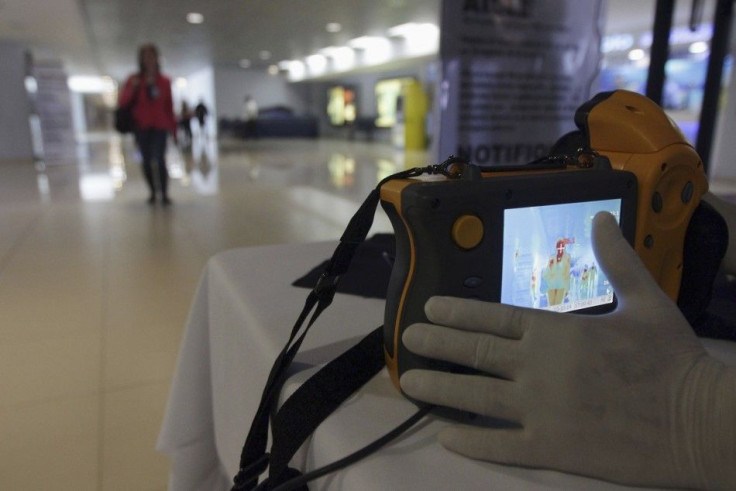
(630, 396)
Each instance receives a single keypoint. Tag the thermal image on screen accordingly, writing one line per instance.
(548, 260)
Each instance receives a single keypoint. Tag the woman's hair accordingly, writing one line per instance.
(141, 50)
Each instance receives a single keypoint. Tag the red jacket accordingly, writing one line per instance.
(148, 112)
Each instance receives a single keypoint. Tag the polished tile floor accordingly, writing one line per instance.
(95, 286)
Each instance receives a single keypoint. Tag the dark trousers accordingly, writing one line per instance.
(152, 145)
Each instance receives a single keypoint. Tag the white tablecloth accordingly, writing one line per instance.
(240, 319)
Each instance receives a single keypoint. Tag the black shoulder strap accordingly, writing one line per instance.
(254, 460)
(300, 415)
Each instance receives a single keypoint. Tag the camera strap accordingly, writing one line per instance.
(317, 398)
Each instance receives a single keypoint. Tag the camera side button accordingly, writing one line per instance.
(657, 203)
(467, 231)
(687, 192)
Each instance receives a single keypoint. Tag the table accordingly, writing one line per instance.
(240, 318)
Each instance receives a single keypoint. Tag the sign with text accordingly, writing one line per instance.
(513, 74)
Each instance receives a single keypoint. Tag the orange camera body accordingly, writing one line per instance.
(637, 136)
(485, 234)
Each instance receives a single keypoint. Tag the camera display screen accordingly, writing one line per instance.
(548, 260)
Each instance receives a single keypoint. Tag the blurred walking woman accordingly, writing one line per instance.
(149, 94)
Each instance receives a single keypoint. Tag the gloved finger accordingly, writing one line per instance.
(485, 352)
(474, 315)
(478, 394)
(630, 279)
(504, 446)
(500, 319)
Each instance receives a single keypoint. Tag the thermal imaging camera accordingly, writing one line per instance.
(521, 235)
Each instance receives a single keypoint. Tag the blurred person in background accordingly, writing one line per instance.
(152, 108)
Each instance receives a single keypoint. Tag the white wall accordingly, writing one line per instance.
(15, 131)
(232, 84)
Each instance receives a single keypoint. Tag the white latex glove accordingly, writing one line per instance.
(630, 396)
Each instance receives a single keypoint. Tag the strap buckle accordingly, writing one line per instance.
(247, 477)
(326, 286)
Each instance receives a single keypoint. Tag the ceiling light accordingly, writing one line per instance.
(296, 69)
(244, 63)
(375, 49)
(419, 39)
(617, 42)
(636, 54)
(335, 51)
(273, 70)
(698, 47)
(414, 29)
(265, 55)
(333, 27)
(343, 57)
(317, 64)
(181, 83)
(195, 18)
(364, 42)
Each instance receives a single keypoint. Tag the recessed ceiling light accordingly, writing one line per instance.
(273, 70)
(334, 27)
(617, 42)
(317, 63)
(368, 42)
(195, 18)
(343, 57)
(244, 63)
(636, 54)
(295, 68)
(698, 47)
(413, 29)
(265, 55)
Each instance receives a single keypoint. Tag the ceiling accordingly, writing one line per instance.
(100, 36)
